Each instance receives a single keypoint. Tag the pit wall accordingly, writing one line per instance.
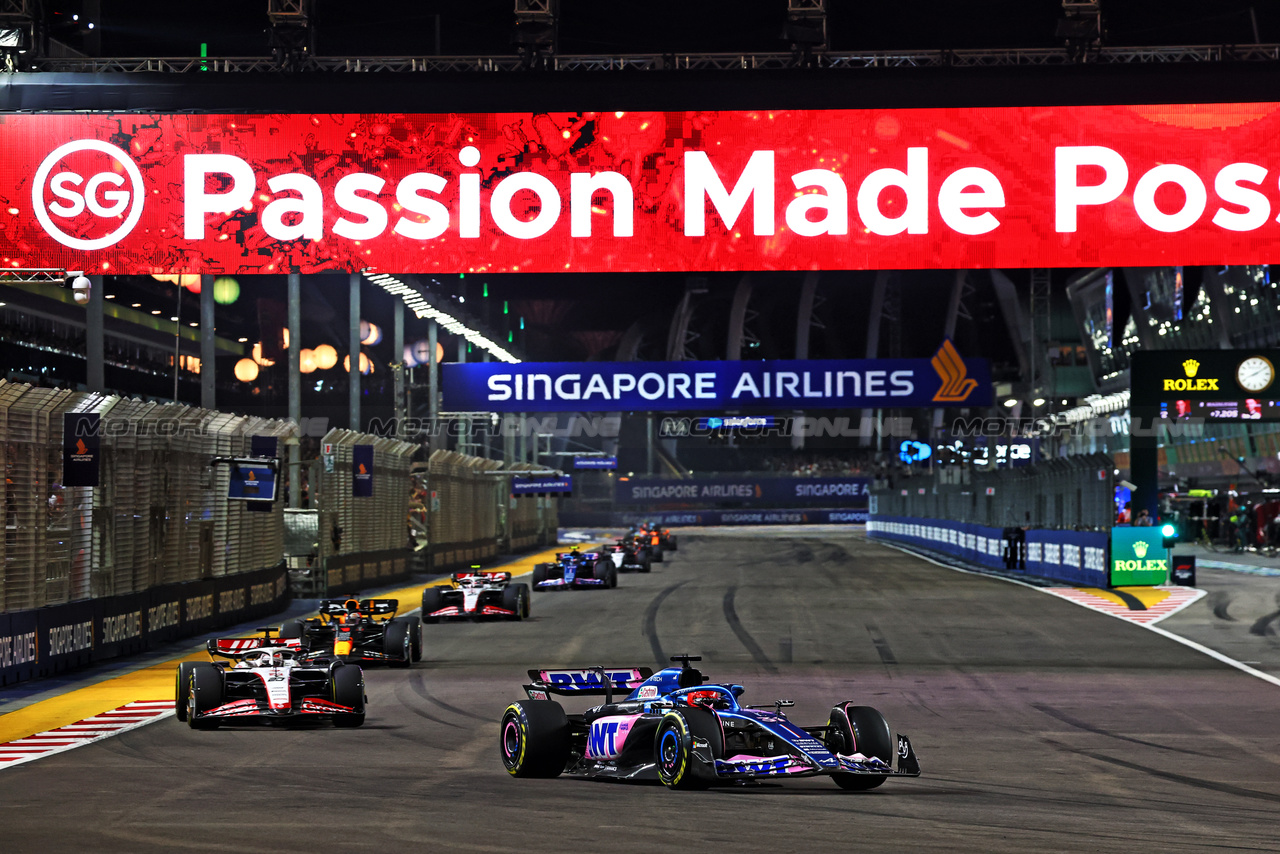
(1076, 557)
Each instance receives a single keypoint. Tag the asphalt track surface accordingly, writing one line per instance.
(1040, 726)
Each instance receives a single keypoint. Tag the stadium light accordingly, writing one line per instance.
(417, 302)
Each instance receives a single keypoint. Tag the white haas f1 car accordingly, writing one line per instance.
(690, 735)
(268, 680)
(476, 594)
(628, 555)
(574, 570)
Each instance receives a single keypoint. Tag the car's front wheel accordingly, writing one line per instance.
(859, 729)
(673, 747)
(346, 688)
(205, 693)
(432, 601)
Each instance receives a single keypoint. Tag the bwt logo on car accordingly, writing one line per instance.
(602, 739)
(87, 213)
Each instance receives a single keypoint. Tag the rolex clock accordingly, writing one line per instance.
(1255, 373)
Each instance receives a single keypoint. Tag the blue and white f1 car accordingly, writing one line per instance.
(576, 570)
(690, 734)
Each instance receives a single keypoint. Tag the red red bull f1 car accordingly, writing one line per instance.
(268, 680)
(689, 734)
(362, 630)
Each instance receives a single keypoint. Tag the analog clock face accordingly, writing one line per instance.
(1255, 373)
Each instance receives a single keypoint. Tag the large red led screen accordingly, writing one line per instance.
(624, 191)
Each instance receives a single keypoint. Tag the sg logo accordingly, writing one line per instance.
(106, 195)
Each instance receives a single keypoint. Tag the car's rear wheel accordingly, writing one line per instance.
(534, 738)
(181, 688)
(645, 565)
(415, 634)
(346, 688)
(204, 693)
(432, 601)
(859, 729)
(677, 767)
(657, 554)
(397, 642)
(290, 630)
(672, 543)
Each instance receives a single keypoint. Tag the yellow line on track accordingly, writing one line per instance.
(156, 681)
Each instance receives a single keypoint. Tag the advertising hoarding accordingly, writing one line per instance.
(624, 191)
(944, 380)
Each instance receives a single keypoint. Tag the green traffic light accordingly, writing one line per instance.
(1168, 530)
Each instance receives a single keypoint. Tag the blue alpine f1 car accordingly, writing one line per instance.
(576, 570)
(690, 734)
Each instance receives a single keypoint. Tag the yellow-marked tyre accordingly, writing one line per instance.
(180, 689)
(673, 748)
(534, 739)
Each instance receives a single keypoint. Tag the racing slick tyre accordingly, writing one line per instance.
(290, 630)
(657, 554)
(432, 601)
(534, 739)
(346, 688)
(605, 570)
(515, 598)
(672, 544)
(181, 688)
(646, 565)
(859, 729)
(539, 574)
(415, 632)
(204, 692)
(678, 767)
(397, 642)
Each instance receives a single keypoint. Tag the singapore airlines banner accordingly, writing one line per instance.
(944, 380)
(619, 191)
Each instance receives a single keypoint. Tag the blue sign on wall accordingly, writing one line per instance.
(252, 482)
(850, 491)
(80, 452)
(595, 462)
(535, 485)
(944, 380)
(362, 471)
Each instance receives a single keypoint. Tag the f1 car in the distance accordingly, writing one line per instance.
(476, 594)
(269, 680)
(575, 569)
(629, 555)
(689, 734)
(659, 540)
(360, 630)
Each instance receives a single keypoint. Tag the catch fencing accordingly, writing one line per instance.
(1070, 493)
(159, 515)
(472, 516)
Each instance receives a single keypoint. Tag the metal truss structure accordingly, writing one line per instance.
(1028, 57)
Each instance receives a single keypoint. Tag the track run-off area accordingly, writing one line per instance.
(1040, 725)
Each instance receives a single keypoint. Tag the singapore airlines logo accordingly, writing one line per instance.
(957, 385)
(1140, 549)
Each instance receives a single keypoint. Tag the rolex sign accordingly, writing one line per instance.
(1138, 557)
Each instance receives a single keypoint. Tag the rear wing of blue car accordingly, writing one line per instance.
(586, 682)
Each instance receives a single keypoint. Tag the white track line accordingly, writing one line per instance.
(1212, 653)
(87, 731)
